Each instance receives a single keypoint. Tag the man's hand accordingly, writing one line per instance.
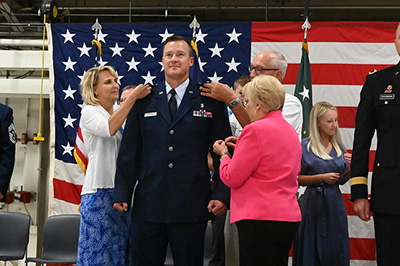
(362, 208)
(218, 91)
(1, 196)
(217, 207)
(121, 206)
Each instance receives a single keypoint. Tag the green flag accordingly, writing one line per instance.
(303, 89)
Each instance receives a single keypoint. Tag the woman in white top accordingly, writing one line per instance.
(104, 231)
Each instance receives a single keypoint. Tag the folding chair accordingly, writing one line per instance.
(14, 232)
(60, 240)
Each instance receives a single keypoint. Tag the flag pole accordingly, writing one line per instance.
(96, 27)
(303, 89)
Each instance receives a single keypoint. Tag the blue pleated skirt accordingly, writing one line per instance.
(104, 232)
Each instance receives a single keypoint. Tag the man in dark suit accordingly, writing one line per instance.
(379, 109)
(164, 148)
(7, 148)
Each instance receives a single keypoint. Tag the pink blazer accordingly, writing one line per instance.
(262, 173)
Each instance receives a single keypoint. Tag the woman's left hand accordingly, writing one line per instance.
(219, 147)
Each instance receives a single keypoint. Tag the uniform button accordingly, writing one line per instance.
(171, 132)
(171, 165)
(378, 164)
(386, 102)
(170, 148)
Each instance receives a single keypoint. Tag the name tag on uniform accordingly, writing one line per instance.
(150, 114)
(385, 97)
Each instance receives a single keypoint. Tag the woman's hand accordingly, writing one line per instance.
(347, 157)
(140, 91)
(219, 147)
(330, 178)
(231, 142)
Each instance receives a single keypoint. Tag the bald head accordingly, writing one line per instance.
(397, 39)
(271, 63)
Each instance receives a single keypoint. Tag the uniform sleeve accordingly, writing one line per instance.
(364, 131)
(129, 159)
(235, 171)
(293, 113)
(7, 149)
(94, 123)
(220, 130)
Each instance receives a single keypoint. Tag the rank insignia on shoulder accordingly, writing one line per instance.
(372, 72)
(388, 89)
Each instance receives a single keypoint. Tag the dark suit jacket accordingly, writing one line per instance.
(7, 147)
(168, 157)
(379, 109)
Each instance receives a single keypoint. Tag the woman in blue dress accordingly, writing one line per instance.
(322, 237)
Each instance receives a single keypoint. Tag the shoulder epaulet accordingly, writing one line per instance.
(373, 72)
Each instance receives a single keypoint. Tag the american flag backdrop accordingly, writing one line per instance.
(341, 55)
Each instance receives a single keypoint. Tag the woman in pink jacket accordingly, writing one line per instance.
(262, 175)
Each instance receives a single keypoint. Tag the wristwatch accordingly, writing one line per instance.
(234, 102)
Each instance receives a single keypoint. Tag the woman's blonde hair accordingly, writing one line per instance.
(90, 80)
(316, 145)
(266, 90)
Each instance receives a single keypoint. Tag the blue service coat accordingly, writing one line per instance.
(168, 157)
(7, 147)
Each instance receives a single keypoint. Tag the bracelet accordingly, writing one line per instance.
(234, 103)
(225, 153)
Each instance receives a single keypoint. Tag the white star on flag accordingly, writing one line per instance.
(69, 93)
(67, 149)
(69, 121)
(165, 35)
(200, 36)
(119, 78)
(101, 36)
(133, 36)
(201, 64)
(82, 105)
(132, 64)
(148, 78)
(215, 78)
(68, 36)
(116, 50)
(84, 50)
(69, 64)
(232, 65)
(233, 36)
(101, 62)
(304, 93)
(149, 50)
(162, 66)
(81, 77)
(216, 50)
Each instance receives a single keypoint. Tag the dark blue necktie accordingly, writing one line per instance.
(173, 105)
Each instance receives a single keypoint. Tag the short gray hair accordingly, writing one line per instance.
(279, 61)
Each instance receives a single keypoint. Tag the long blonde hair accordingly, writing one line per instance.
(316, 145)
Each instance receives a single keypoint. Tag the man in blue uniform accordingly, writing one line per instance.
(7, 148)
(164, 148)
(379, 109)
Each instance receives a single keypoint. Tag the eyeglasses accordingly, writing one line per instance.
(260, 70)
(245, 102)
